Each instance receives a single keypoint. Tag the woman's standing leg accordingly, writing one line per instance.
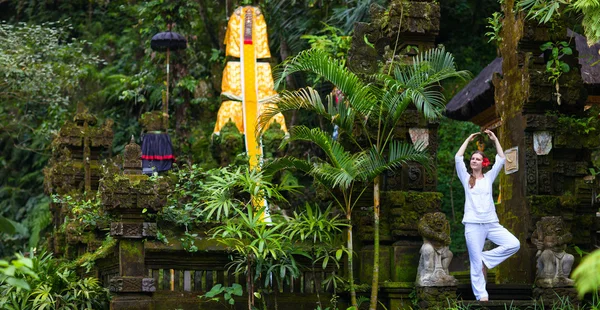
(475, 235)
(507, 243)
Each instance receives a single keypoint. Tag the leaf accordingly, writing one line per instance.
(325, 261)
(237, 289)
(214, 291)
(6, 226)
(20, 283)
(338, 254)
(371, 45)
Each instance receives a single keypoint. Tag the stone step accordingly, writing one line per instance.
(497, 304)
(521, 292)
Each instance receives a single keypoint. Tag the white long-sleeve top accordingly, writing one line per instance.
(479, 203)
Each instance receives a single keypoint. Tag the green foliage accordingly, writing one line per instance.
(228, 293)
(355, 11)
(587, 274)
(315, 225)
(14, 272)
(184, 199)
(232, 191)
(541, 10)
(495, 25)
(88, 259)
(331, 40)
(83, 212)
(581, 126)
(545, 10)
(591, 18)
(555, 66)
(375, 109)
(52, 286)
(40, 72)
(188, 242)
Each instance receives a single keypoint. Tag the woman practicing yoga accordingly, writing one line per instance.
(480, 219)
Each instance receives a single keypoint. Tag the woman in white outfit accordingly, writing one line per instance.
(480, 219)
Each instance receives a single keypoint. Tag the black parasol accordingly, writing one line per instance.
(168, 41)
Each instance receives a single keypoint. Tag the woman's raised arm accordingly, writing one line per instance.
(463, 147)
(493, 137)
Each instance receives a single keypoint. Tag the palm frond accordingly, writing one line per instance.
(307, 99)
(359, 95)
(335, 176)
(334, 151)
(400, 153)
(419, 81)
(286, 163)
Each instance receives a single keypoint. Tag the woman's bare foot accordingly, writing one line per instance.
(484, 299)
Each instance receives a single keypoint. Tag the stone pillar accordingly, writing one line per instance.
(75, 169)
(128, 197)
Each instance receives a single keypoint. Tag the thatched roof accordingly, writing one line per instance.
(587, 56)
(477, 96)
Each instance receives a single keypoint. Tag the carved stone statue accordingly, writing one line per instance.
(553, 263)
(435, 254)
(132, 162)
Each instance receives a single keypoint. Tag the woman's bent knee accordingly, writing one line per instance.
(513, 247)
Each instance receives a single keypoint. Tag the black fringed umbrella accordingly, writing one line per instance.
(168, 41)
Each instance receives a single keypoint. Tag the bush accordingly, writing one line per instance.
(52, 286)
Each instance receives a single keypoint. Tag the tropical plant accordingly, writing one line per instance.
(14, 272)
(555, 66)
(331, 40)
(228, 293)
(256, 245)
(376, 109)
(261, 250)
(544, 10)
(40, 72)
(319, 230)
(84, 212)
(495, 25)
(587, 275)
(52, 286)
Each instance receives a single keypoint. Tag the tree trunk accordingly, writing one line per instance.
(511, 93)
(350, 261)
(249, 288)
(375, 282)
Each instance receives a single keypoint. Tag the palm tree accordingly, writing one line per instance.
(380, 105)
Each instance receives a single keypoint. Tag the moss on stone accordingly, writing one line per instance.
(405, 268)
(154, 121)
(543, 205)
(272, 139)
(228, 144)
(129, 249)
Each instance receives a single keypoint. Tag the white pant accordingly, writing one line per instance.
(475, 234)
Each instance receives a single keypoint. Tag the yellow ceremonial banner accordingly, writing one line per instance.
(248, 83)
(260, 38)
